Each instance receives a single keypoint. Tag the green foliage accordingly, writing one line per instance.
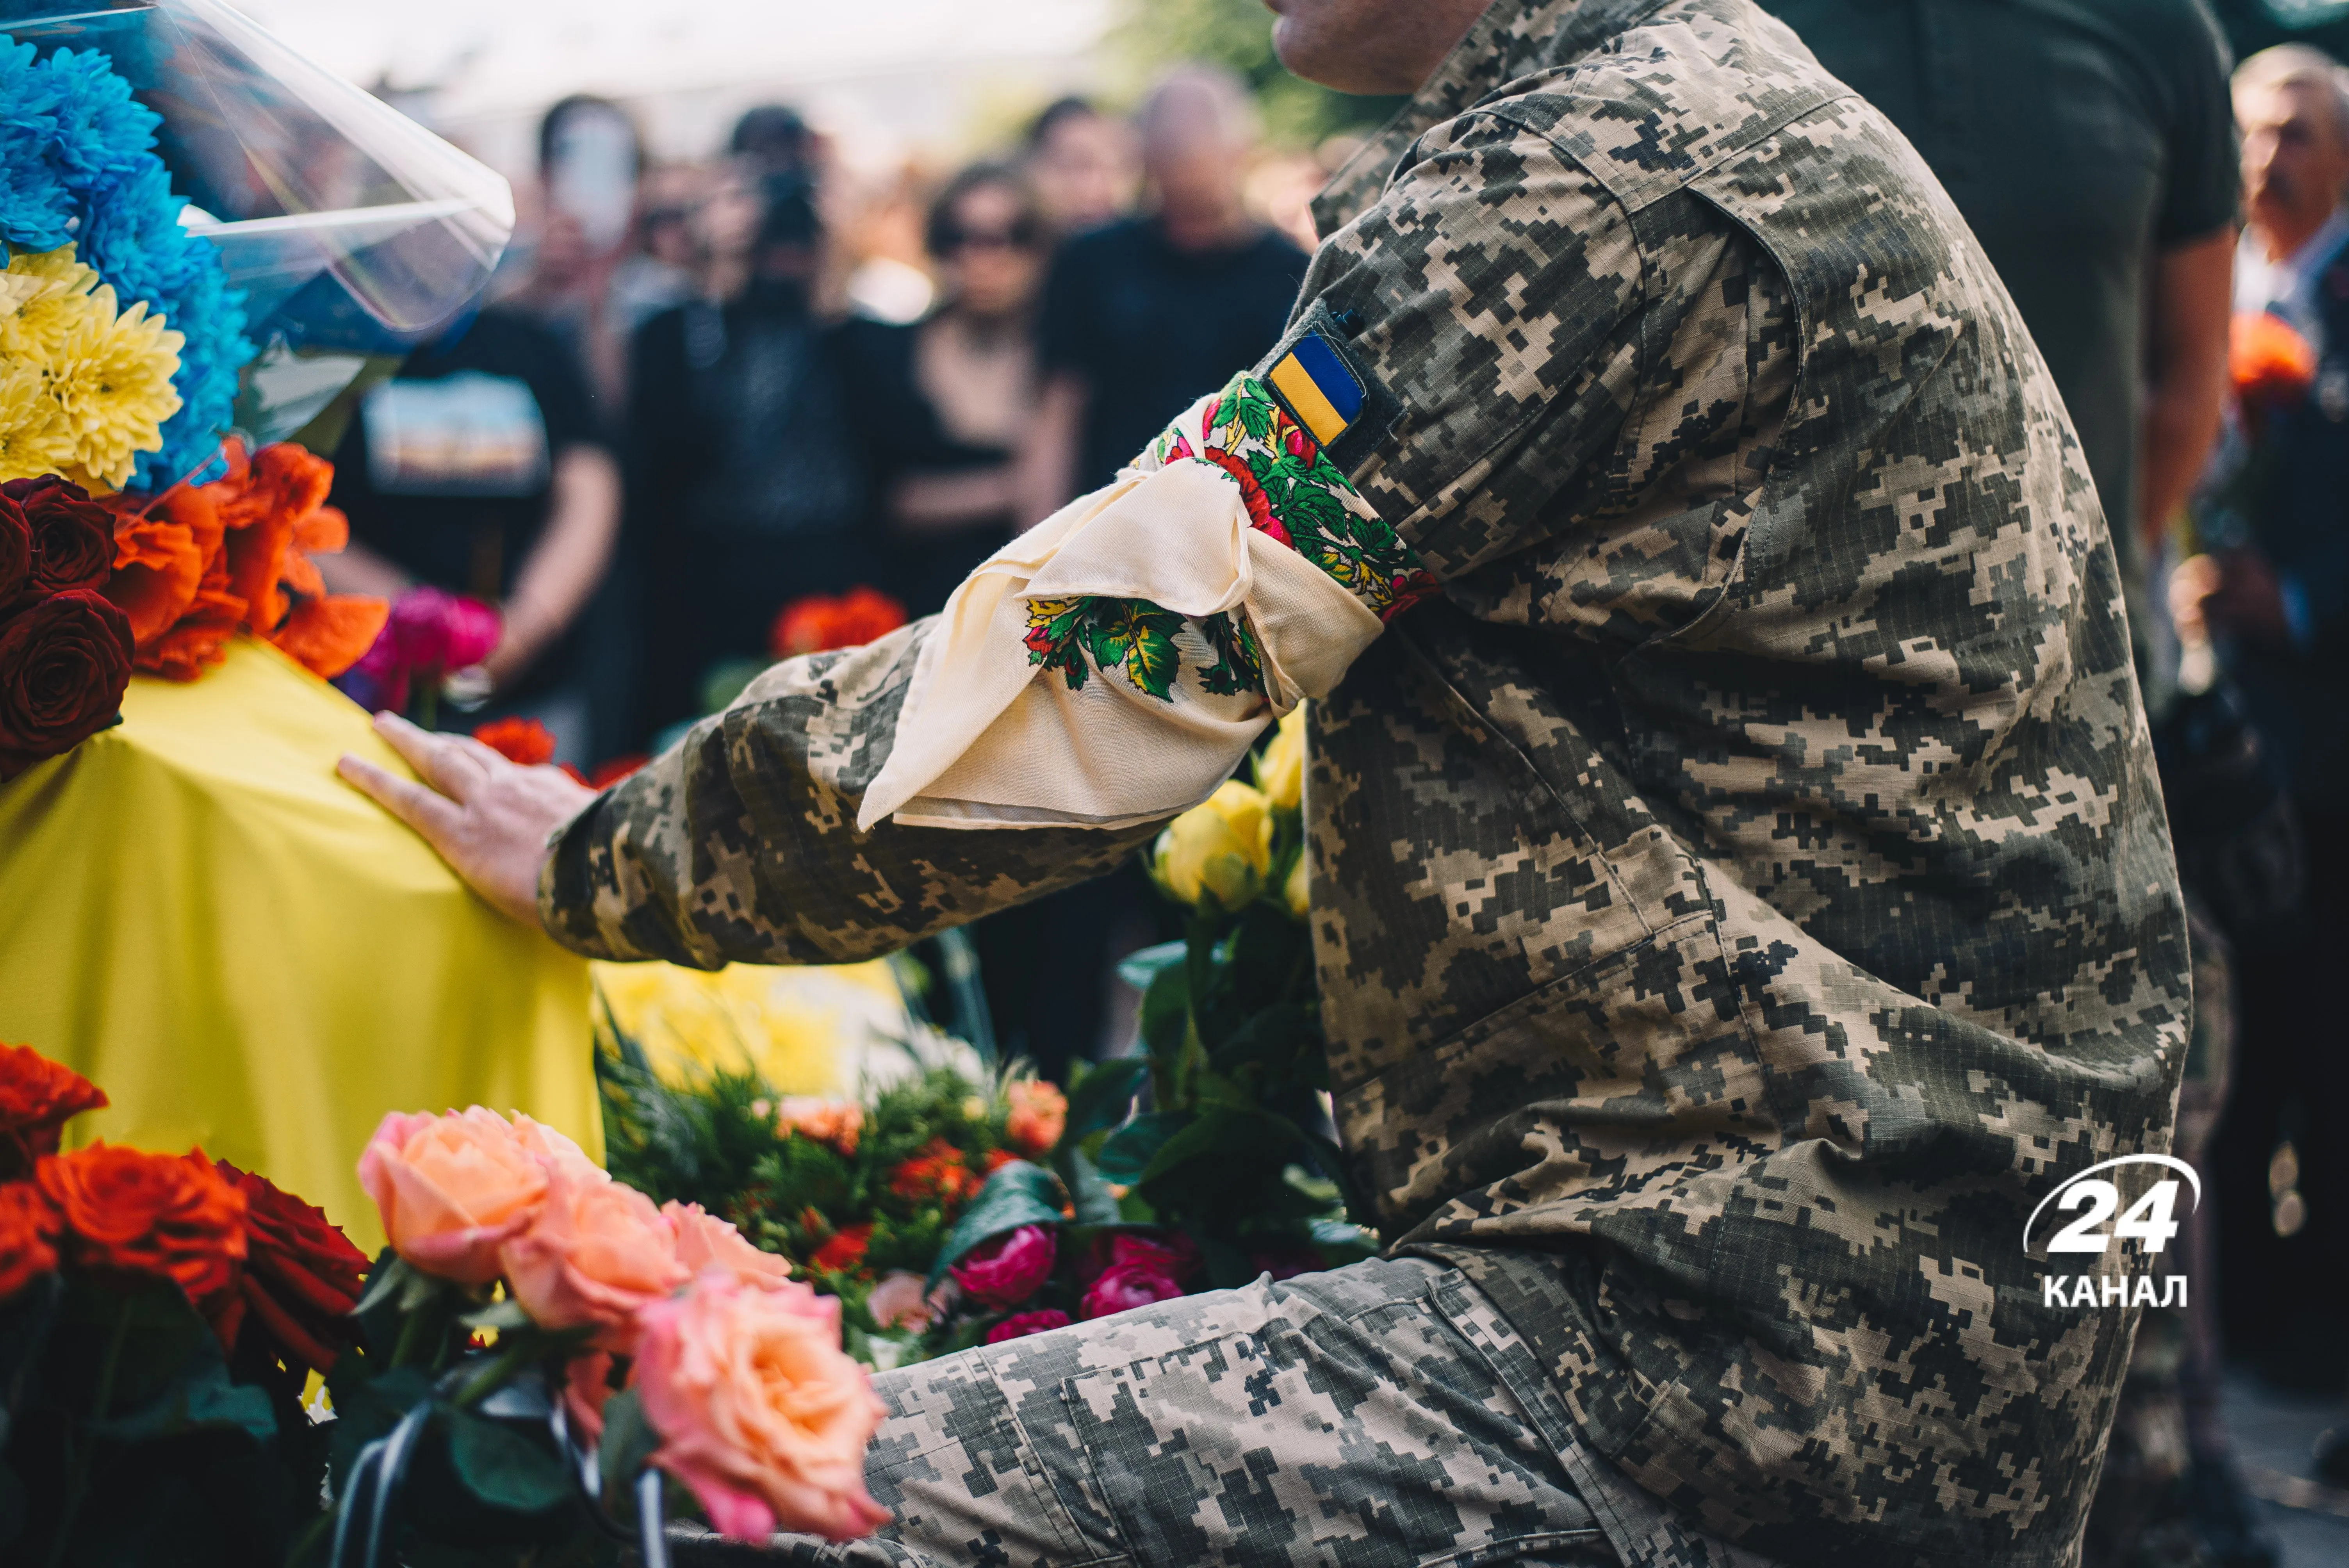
(1237, 34)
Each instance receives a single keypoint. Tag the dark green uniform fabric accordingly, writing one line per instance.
(1744, 893)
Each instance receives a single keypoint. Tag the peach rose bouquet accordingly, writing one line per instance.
(553, 1327)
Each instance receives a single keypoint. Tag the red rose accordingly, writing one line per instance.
(302, 1275)
(1021, 1324)
(16, 548)
(73, 536)
(65, 664)
(28, 1233)
(525, 741)
(161, 1215)
(37, 1098)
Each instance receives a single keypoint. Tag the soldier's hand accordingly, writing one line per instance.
(489, 818)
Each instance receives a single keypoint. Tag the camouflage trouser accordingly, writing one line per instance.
(1381, 1416)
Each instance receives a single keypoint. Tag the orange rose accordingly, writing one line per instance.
(29, 1224)
(37, 1098)
(1039, 1114)
(705, 1242)
(837, 1122)
(596, 1250)
(760, 1413)
(452, 1189)
(166, 1216)
(937, 1171)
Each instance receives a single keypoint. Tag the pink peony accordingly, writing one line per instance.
(899, 1302)
(760, 1413)
(705, 1242)
(432, 631)
(452, 1189)
(597, 1251)
(1020, 1325)
(1125, 1286)
(1010, 1268)
(1170, 1253)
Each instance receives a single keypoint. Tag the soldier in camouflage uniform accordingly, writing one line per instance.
(1740, 884)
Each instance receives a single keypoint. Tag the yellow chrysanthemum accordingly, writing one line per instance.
(111, 379)
(32, 438)
(42, 295)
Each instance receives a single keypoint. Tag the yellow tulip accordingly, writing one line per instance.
(1294, 891)
(1280, 767)
(1222, 846)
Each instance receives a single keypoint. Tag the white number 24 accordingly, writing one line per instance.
(2148, 1219)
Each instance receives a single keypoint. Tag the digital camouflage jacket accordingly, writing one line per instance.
(1742, 890)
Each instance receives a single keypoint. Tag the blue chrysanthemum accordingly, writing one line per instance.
(79, 155)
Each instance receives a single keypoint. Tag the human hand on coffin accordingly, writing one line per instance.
(490, 819)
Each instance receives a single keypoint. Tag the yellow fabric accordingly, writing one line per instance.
(804, 1031)
(1304, 395)
(244, 953)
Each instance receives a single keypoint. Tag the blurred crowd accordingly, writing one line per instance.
(700, 394)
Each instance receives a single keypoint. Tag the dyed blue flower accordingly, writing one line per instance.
(103, 133)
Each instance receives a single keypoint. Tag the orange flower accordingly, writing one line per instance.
(596, 1252)
(705, 1242)
(520, 741)
(819, 623)
(165, 1216)
(997, 1158)
(937, 1171)
(1039, 1115)
(2269, 363)
(327, 636)
(29, 1224)
(453, 1189)
(844, 1252)
(37, 1098)
(836, 1122)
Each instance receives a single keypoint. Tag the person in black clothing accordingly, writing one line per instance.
(746, 484)
(944, 403)
(1147, 313)
(479, 469)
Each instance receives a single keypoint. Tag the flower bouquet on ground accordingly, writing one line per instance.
(158, 1316)
(961, 1205)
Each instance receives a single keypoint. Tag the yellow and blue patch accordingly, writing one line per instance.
(1318, 388)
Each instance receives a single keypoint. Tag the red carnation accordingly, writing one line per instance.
(73, 536)
(65, 663)
(302, 1274)
(37, 1098)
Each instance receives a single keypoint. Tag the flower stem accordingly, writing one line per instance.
(490, 1378)
(86, 1450)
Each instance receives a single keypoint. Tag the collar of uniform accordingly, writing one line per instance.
(1512, 38)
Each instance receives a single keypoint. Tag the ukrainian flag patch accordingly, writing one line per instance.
(1318, 387)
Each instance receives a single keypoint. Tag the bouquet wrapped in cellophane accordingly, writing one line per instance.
(208, 240)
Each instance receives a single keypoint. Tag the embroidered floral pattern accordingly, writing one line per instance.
(1294, 494)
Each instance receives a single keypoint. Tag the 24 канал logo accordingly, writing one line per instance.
(2150, 1221)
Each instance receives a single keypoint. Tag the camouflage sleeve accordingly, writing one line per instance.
(739, 843)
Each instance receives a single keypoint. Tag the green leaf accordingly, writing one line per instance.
(1154, 661)
(628, 1444)
(1101, 1097)
(1166, 1011)
(505, 1316)
(1139, 969)
(1256, 416)
(1225, 1133)
(1132, 1148)
(149, 1331)
(200, 1395)
(1018, 1193)
(502, 1468)
(1096, 1204)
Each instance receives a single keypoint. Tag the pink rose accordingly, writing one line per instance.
(586, 1389)
(1125, 1286)
(1021, 1324)
(452, 1189)
(597, 1251)
(1010, 1268)
(705, 1242)
(899, 1302)
(760, 1413)
(1170, 1253)
(548, 1144)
